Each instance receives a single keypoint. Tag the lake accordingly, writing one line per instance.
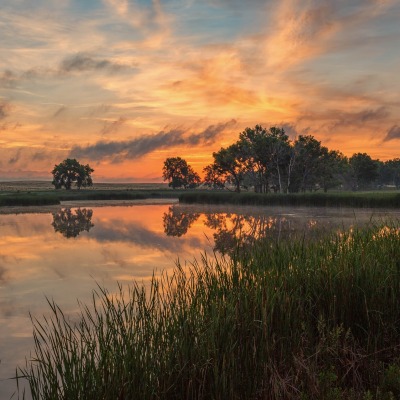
(64, 253)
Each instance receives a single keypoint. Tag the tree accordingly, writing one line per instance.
(179, 173)
(254, 148)
(69, 171)
(266, 154)
(332, 168)
(212, 177)
(228, 166)
(365, 170)
(389, 172)
(282, 158)
(309, 156)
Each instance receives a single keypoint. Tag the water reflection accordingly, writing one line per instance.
(235, 231)
(177, 222)
(120, 244)
(71, 223)
(232, 231)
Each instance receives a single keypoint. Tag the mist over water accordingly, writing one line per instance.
(63, 255)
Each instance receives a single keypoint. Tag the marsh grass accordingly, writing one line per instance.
(27, 199)
(55, 197)
(41, 196)
(288, 320)
(339, 199)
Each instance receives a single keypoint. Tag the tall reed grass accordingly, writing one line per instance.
(345, 199)
(286, 320)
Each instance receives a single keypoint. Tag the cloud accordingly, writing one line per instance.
(15, 159)
(10, 126)
(40, 156)
(77, 63)
(99, 110)
(360, 117)
(120, 6)
(82, 62)
(59, 111)
(4, 109)
(210, 134)
(112, 127)
(292, 131)
(149, 18)
(306, 30)
(392, 133)
(333, 119)
(2, 273)
(118, 151)
(8, 79)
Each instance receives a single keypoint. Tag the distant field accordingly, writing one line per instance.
(46, 186)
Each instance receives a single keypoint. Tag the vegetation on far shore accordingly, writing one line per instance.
(267, 160)
(384, 199)
(376, 199)
(284, 320)
(36, 198)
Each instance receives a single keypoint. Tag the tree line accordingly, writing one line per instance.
(266, 160)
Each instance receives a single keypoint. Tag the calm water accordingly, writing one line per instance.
(62, 255)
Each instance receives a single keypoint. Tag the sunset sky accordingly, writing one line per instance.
(124, 84)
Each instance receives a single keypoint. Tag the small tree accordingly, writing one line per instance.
(69, 171)
(179, 173)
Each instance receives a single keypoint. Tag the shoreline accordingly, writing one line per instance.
(43, 209)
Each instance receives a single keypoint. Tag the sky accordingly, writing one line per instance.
(124, 84)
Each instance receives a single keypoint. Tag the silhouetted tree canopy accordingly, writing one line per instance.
(70, 171)
(268, 160)
(364, 169)
(179, 173)
(389, 173)
(228, 166)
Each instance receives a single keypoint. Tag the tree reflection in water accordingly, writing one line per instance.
(232, 231)
(71, 223)
(237, 231)
(177, 222)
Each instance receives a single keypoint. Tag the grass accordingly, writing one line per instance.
(36, 193)
(387, 199)
(288, 320)
(55, 197)
(41, 193)
(116, 194)
(27, 199)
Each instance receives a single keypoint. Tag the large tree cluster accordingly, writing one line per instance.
(267, 160)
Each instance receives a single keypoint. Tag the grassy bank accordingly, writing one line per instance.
(117, 194)
(27, 199)
(299, 320)
(345, 199)
(55, 197)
